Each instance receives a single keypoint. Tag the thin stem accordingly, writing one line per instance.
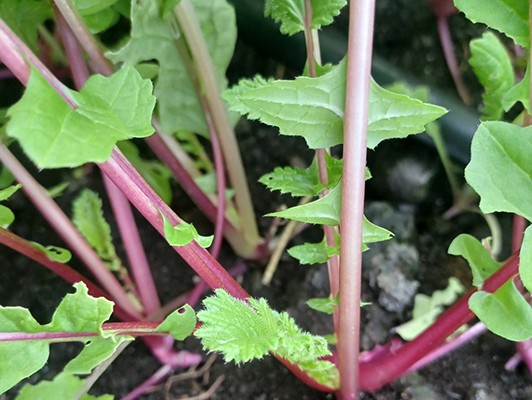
(153, 380)
(359, 53)
(191, 31)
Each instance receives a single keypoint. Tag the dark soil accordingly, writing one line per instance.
(417, 253)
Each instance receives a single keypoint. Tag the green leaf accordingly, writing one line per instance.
(325, 305)
(88, 217)
(494, 70)
(153, 38)
(507, 16)
(6, 217)
(500, 168)
(480, 260)
(102, 20)
(180, 323)
(24, 17)
(6, 193)
(64, 386)
(314, 253)
(525, 260)
(427, 308)
(291, 13)
(109, 110)
(184, 233)
(314, 108)
(54, 253)
(520, 92)
(504, 312)
(87, 7)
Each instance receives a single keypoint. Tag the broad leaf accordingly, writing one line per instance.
(494, 70)
(480, 260)
(109, 110)
(507, 16)
(314, 108)
(154, 38)
(180, 323)
(525, 260)
(504, 312)
(291, 13)
(500, 168)
(184, 233)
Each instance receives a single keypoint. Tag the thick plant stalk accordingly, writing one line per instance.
(359, 53)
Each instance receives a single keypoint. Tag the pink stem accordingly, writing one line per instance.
(153, 380)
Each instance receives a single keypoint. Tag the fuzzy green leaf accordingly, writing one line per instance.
(314, 108)
(520, 92)
(507, 16)
(109, 110)
(180, 323)
(325, 305)
(184, 233)
(504, 312)
(525, 260)
(88, 217)
(291, 13)
(314, 253)
(427, 308)
(64, 386)
(54, 253)
(154, 38)
(494, 70)
(500, 170)
(480, 260)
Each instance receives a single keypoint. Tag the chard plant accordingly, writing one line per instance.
(163, 83)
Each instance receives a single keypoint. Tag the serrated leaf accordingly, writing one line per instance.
(154, 38)
(504, 312)
(180, 323)
(500, 168)
(427, 308)
(494, 70)
(314, 253)
(6, 217)
(88, 218)
(314, 108)
(480, 260)
(109, 110)
(325, 305)
(291, 13)
(322, 371)
(64, 386)
(525, 260)
(520, 92)
(54, 253)
(184, 233)
(507, 16)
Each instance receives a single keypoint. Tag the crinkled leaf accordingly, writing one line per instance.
(314, 253)
(500, 170)
(54, 253)
(184, 233)
(64, 386)
(520, 92)
(322, 371)
(291, 13)
(314, 108)
(480, 260)
(154, 38)
(504, 312)
(88, 217)
(494, 70)
(180, 323)
(525, 260)
(6, 217)
(507, 16)
(325, 305)
(427, 308)
(109, 109)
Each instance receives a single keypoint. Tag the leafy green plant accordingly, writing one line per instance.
(184, 47)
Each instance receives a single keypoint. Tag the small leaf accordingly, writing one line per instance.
(500, 168)
(180, 323)
(184, 233)
(504, 312)
(54, 253)
(507, 16)
(7, 192)
(314, 253)
(325, 305)
(525, 260)
(494, 70)
(6, 217)
(291, 13)
(480, 260)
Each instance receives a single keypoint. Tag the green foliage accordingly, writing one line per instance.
(291, 13)
(243, 332)
(500, 168)
(325, 305)
(54, 253)
(109, 110)
(180, 323)
(314, 108)
(520, 92)
(184, 233)
(525, 260)
(88, 217)
(6, 215)
(98, 15)
(314, 253)
(154, 38)
(427, 308)
(494, 69)
(480, 260)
